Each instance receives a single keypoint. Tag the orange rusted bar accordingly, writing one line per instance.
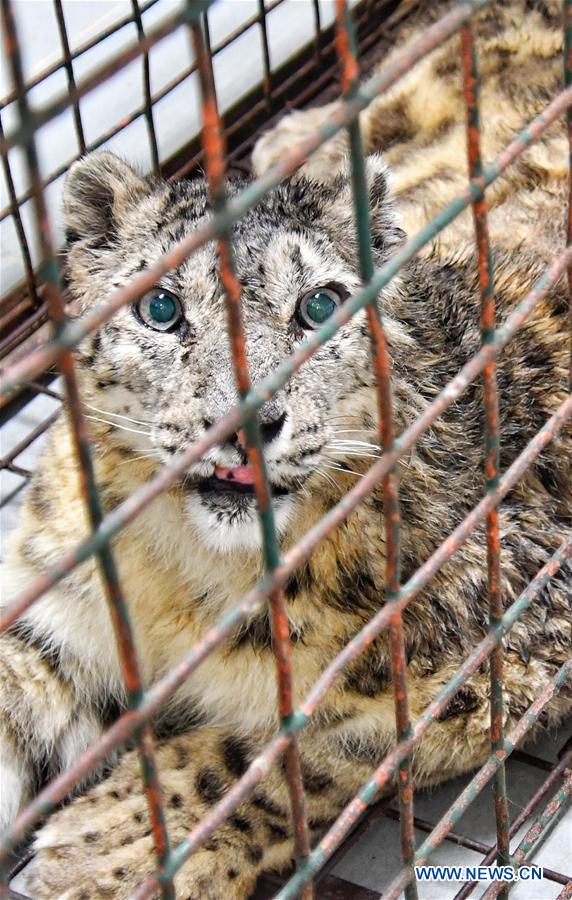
(346, 49)
(214, 149)
(116, 602)
(271, 587)
(492, 439)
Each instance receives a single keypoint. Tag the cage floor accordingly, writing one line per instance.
(373, 859)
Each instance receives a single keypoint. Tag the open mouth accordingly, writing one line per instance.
(237, 480)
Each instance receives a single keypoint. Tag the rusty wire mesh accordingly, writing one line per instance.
(66, 335)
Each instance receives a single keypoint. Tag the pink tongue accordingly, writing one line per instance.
(241, 474)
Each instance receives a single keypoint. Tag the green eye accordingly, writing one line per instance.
(318, 306)
(159, 309)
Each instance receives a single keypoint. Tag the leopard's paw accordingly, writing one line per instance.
(101, 846)
(293, 128)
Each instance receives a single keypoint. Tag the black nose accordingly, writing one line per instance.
(269, 430)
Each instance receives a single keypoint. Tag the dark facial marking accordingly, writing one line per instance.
(300, 580)
(209, 786)
(253, 853)
(449, 65)
(43, 647)
(369, 677)
(175, 801)
(241, 823)
(319, 824)
(316, 782)
(182, 757)
(255, 633)
(109, 709)
(276, 833)
(38, 499)
(235, 753)
(356, 592)
(261, 801)
(464, 701)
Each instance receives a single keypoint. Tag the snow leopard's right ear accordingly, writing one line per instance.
(98, 191)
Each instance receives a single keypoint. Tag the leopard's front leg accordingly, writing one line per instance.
(101, 844)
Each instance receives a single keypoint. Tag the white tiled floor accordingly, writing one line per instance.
(374, 860)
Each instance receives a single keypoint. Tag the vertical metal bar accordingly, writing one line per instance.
(267, 80)
(537, 831)
(116, 602)
(346, 49)
(209, 53)
(68, 65)
(485, 264)
(480, 779)
(148, 102)
(317, 28)
(213, 143)
(19, 226)
(524, 814)
(567, 16)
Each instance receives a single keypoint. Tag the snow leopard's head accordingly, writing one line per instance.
(162, 368)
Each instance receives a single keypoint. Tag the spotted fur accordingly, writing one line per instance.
(190, 556)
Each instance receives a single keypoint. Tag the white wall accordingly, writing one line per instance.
(237, 69)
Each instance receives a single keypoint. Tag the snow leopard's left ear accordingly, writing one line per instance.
(99, 189)
(334, 198)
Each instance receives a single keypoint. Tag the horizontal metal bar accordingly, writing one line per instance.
(39, 118)
(17, 202)
(73, 333)
(29, 439)
(479, 781)
(524, 814)
(345, 820)
(537, 831)
(75, 54)
(44, 357)
(123, 514)
(17, 470)
(462, 840)
(121, 730)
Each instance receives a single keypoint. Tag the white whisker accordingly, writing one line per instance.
(328, 478)
(118, 425)
(146, 456)
(338, 468)
(357, 447)
(352, 440)
(357, 453)
(107, 412)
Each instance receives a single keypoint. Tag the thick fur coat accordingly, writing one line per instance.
(195, 551)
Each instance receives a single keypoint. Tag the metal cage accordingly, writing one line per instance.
(42, 300)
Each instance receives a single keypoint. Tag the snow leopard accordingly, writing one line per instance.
(159, 373)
